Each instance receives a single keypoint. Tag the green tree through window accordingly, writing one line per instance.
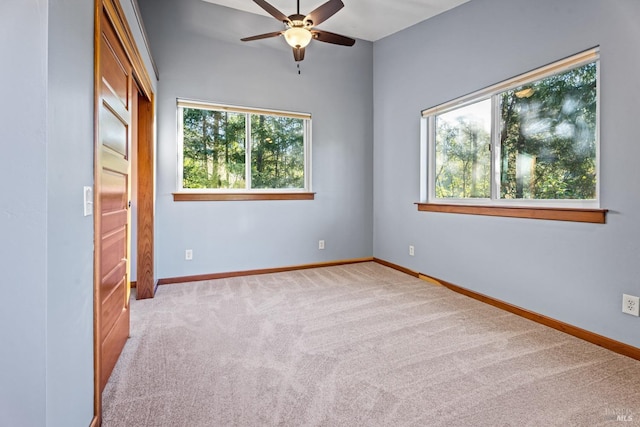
(531, 140)
(463, 159)
(213, 149)
(217, 146)
(548, 137)
(277, 159)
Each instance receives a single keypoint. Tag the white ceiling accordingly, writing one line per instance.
(364, 19)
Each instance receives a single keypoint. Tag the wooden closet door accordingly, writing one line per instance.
(116, 112)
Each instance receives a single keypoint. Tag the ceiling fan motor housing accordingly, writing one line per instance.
(297, 20)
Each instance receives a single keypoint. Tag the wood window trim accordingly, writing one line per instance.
(595, 216)
(240, 196)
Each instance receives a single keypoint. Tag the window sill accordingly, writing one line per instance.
(219, 197)
(596, 216)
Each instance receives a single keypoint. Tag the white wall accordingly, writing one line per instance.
(199, 55)
(572, 272)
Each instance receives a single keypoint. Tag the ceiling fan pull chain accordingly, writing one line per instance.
(298, 66)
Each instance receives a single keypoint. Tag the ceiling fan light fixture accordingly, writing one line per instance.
(297, 37)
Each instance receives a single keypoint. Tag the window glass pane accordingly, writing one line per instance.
(548, 137)
(463, 152)
(213, 149)
(277, 152)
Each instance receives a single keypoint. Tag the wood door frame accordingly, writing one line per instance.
(144, 168)
(145, 199)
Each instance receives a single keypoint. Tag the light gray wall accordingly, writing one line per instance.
(572, 272)
(69, 375)
(46, 244)
(23, 212)
(69, 233)
(196, 46)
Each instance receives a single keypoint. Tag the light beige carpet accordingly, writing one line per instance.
(356, 345)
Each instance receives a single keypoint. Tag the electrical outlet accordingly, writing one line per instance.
(320, 244)
(412, 250)
(188, 254)
(630, 305)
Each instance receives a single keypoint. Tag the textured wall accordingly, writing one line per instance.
(199, 55)
(569, 271)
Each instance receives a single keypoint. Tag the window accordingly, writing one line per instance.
(531, 141)
(224, 149)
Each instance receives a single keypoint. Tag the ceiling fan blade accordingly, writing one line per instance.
(272, 10)
(324, 11)
(262, 36)
(327, 37)
(298, 53)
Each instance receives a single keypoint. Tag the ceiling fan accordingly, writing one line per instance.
(300, 28)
